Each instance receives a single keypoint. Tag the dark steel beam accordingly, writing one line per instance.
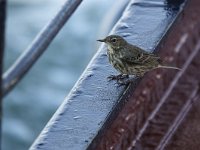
(2, 45)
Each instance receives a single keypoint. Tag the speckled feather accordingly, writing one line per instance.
(129, 59)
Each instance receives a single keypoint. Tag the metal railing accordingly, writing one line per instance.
(26, 60)
(38, 46)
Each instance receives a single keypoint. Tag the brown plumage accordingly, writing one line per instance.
(129, 59)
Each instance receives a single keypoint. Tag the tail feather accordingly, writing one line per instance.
(168, 67)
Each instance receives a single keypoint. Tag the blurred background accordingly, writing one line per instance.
(33, 101)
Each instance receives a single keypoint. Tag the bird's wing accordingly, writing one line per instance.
(140, 57)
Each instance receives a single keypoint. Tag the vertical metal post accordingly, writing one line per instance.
(2, 43)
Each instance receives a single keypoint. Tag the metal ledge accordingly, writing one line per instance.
(93, 103)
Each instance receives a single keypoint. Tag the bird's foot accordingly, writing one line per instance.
(125, 81)
(118, 77)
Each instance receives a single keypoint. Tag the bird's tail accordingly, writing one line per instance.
(168, 67)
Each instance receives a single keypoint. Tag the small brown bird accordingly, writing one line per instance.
(129, 59)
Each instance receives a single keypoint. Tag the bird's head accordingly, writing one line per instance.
(115, 41)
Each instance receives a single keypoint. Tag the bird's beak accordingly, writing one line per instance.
(102, 40)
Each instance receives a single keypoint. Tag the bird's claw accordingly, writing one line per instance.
(125, 81)
(117, 77)
(121, 79)
(112, 77)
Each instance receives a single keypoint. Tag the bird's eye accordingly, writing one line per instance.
(113, 40)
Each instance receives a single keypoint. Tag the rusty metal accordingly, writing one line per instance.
(173, 104)
(157, 107)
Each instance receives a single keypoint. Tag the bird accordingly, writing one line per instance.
(129, 59)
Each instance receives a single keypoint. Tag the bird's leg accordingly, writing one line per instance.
(115, 77)
(126, 81)
(125, 76)
(118, 77)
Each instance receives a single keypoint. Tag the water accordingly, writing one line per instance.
(34, 100)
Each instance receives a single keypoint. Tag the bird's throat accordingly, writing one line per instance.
(110, 49)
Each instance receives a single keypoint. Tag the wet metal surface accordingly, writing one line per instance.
(92, 105)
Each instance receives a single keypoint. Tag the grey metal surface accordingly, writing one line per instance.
(93, 102)
(13, 75)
